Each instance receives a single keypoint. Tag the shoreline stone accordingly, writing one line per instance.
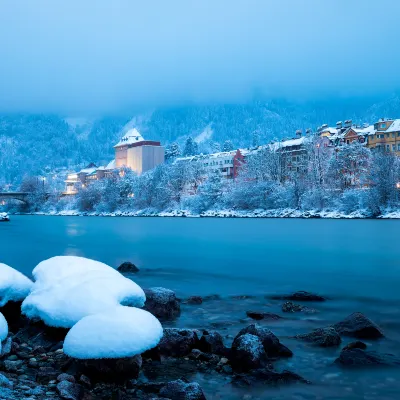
(323, 337)
(162, 303)
(128, 267)
(359, 326)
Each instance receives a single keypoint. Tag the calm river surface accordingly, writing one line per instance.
(354, 262)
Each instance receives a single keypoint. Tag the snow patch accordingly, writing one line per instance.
(68, 288)
(14, 286)
(119, 332)
(205, 135)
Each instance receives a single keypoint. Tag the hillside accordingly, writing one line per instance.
(36, 144)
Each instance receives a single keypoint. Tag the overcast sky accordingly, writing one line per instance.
(96, 56)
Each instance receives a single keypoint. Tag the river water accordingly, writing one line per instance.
(356, 263)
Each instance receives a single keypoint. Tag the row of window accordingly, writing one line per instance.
(212, 163)
(389, 147)
(382, 135)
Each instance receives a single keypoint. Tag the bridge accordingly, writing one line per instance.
(21, 196)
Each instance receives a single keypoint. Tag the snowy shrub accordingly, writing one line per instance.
(314, 199)
(351, 201)
(68, 288)
(14, 286)
(115, 333)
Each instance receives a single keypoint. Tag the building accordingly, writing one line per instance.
(226, 163)
(132, 151)
(140, 155)
(386, 136)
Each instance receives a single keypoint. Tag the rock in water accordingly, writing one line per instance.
(128, 268)
(267, 377)
(248, 353)
(212, 342)
(290, 307)
(181, 390)
(355, 345)
(162, 303)
(360, 358)
(194, 300)
(299, 296)
(359, 326)
(324, 337)
(178, 342)
(70, 391)
(117, 370)
(259, 315)
(271, 343)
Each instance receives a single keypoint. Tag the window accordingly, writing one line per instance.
(393, 135)
(387, 135)
(398, 133)
(383, 126)
(398, 147)
(387, 147)
(393, 147)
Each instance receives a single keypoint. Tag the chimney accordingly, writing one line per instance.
(298, 133)
(339, 125)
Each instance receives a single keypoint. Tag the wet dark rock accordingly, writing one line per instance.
(290, 307)
(70, 391)
(46, 373)
(85, 381)
(194, 300)
(259, 315)
(65, 377)
(272, 346)
(13, 366)
(355, 345)
(5, 382)
(361, 358)
(162, 303)
(178, 342)
(324, 337)
(197, 354)
(242, 297)
(128, 268)
(248, 353)
(212, 342)
(223, 324)
(181, 390)
(116, 370)
(267, 377)
(39, 335)
(359, 326)
(6, 347)
(299, 296)
(212, 297)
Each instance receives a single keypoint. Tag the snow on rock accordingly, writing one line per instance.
(118, 333)
(68, 288)
(3, 328)
(14, 286)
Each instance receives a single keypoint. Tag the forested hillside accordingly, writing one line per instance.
(36, 144)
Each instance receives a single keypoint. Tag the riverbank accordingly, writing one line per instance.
(276, 213)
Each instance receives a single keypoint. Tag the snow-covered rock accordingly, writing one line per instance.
(4, 217)
(14, 286)
(3, 328)
(118, 333)
(69, 288)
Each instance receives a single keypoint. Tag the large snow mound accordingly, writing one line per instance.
(14, 286)
(121, 332)
(69, 288)
(3, 328)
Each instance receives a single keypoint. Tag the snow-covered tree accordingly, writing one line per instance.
(227, 146)
(172, 151)
(191, 147)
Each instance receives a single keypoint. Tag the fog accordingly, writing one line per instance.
(90, 57)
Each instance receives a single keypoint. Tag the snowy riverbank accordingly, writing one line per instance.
(276, 213)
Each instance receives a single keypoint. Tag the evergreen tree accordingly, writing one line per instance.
(172, 151)
(191, 147)
(256, 138)
(227, 146)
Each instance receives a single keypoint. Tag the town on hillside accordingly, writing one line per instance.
(140, 155)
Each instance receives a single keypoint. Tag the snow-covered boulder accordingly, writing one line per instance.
(117, 333)
(14, 286)
(4, 217)
(69, 288)
(3, 328)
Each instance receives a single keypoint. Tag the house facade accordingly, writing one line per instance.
(386, 136)
(140, 155)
